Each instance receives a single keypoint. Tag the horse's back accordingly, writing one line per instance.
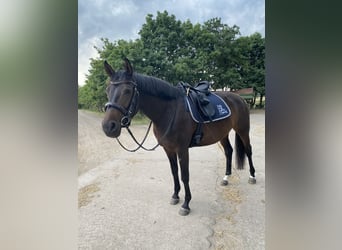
(238, 106)
(233, 100)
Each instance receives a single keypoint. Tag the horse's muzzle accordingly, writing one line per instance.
(111, 128)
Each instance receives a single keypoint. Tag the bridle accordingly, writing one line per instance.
(128, 113)
(132, 108)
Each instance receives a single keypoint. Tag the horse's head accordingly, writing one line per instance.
(123, 99)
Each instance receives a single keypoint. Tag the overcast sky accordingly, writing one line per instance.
(122, 19)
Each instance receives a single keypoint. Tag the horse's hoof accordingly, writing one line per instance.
(224, 183)
(174, 201)
(251, 180)
(184, 211)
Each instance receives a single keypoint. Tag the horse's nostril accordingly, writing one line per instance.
(112, 126)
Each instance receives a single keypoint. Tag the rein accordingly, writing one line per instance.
(140, 145)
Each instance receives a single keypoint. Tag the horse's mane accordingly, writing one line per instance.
(156, 87)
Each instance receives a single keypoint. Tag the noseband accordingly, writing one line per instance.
(131, 110)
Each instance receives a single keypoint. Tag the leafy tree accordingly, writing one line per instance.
(161, 45)
(257, 61)
(92, 95)
(181, 51)
(218, 47)
(251, 67)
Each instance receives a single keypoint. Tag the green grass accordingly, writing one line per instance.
(256, 105)
(140, 119)
(98, 113)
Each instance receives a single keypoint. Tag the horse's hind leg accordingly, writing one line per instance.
(248, 149)
(252, 179)
(174, 169)
(228, 151)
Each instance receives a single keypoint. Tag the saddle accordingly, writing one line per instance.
(198, 95)
(203, 106)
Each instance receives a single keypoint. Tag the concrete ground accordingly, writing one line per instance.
(124, 197)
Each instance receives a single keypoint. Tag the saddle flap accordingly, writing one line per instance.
(208, 110)
(205, 106)
(203, 100)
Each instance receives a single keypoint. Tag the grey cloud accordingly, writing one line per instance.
(122, 19)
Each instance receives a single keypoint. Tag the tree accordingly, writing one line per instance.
(257, 61)
(161, 44)
(92, 95)
(181, 51)
(217, 45)
(251, 66)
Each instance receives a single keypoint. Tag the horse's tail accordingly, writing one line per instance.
(240, 151)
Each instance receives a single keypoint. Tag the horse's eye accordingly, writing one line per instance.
(126, 91)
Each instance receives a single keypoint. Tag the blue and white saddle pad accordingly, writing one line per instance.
(222, 110)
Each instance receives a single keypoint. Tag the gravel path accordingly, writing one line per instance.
(124, 197)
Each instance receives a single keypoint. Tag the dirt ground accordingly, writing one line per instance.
(123, 197)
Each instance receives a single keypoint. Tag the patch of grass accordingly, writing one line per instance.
(257, 102)
(98, 113)
(140, 119)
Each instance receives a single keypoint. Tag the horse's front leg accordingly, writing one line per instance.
(174, 169)
(183, 157)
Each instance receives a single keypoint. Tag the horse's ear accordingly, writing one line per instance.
(110, 71)
(128, 67)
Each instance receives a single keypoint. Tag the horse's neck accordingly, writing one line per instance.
(156, 109)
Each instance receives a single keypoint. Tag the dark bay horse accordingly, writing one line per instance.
(173, 126)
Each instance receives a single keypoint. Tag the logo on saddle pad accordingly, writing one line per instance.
(221, 110)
